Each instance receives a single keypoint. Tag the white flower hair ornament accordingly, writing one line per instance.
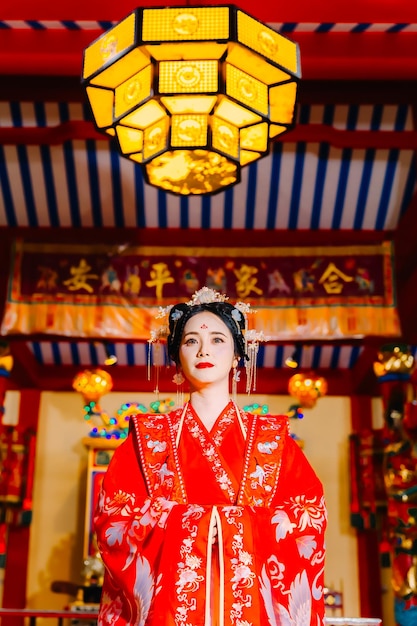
(205, 295)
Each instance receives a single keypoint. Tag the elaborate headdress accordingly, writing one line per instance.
(234, 316)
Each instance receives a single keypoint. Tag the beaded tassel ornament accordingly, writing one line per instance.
(157, 352)
(252, 340)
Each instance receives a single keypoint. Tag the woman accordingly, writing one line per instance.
(210, 516)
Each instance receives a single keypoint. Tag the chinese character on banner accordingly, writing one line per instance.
(79, 277)
(333, 279)
(247, 281)
(160, 275)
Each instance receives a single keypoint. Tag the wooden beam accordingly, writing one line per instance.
(367, 540)
(26, 372)
(324, 55)
(364, 380)
(405, 242)
(18, 537)
(306, 133)
(354, 11)
(69, 89)
(126, 379)
(405, 251)
(191, 237)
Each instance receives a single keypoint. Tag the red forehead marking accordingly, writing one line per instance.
(203, 326)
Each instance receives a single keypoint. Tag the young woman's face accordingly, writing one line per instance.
(207, 349)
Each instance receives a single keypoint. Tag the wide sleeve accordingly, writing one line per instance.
(292, 576)
(154, 548)
(125, 518)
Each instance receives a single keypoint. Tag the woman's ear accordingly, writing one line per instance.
(235, 362)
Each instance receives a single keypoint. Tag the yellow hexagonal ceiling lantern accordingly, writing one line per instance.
(192, 94)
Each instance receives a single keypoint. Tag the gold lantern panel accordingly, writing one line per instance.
(307, 389)
(192, 93)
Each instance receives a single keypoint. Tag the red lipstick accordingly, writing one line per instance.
(203, 365)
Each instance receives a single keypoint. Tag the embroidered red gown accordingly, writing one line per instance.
(219, 528)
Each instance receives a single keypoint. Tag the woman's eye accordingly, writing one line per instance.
(218, 340)
(189, 342)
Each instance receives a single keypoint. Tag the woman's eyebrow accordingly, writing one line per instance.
(212, 332)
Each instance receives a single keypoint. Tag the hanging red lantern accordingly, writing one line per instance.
(307, 389)
(93, 384)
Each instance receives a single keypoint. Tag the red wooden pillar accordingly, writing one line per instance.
(17, 550)
(367, 540)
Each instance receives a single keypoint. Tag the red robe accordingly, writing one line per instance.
(219, 528)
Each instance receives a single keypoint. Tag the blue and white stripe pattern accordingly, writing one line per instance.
(87, 354)
(305, 185)
(90, 354)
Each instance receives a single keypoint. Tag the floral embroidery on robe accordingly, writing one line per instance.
(219, 528)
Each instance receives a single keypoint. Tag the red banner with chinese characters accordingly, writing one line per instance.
(114, 291)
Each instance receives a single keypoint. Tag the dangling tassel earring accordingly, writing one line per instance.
(178, 379)
(149, 360)
(235, 380)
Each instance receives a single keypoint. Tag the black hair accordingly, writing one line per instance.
(229, 314)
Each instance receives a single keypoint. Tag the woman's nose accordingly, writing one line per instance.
(202, 351)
